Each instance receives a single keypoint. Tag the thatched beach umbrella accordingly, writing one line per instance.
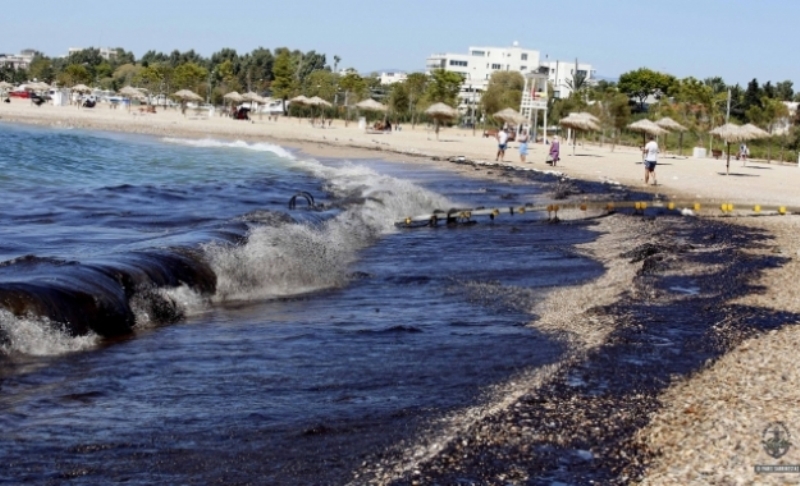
(441, 111)
(81, 88)
(4, 86)
(755, 132)
(254, 100)
(371, 105)
(647, 128)
(299, 100)
(668, 123)
(510, 116)
(185, 95)
(730, 133)
(234, 97)
(322, 104)
(579, 122)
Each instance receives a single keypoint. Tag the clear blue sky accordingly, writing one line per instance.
(736, 39)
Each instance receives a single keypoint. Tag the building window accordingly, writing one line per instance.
(582, 72)
(524, 57)
(523, 68)
(496, 66)
(478, 53)
(454, 62)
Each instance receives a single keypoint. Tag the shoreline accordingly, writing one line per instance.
(590, 332)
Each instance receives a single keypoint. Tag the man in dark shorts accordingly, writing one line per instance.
(650, 152)
(502, 143)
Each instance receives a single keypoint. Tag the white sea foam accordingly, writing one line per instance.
(298, 258)
(38, 336)
(213, 143)
(187, 302)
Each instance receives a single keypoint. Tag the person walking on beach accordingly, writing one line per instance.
(555, 152)
(523, 145)
(650, 160)
(502, 143)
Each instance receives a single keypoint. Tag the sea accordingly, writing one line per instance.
(183, 311)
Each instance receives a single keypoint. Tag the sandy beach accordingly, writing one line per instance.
(706, 426)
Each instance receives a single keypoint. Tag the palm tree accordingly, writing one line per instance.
(336, 60)
(578, 81)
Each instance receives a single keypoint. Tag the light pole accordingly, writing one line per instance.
(473, 109)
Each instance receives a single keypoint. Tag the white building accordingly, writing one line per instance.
(18, 61)
(393, 77)
(478, 65)
(105, 52)
(562, 73)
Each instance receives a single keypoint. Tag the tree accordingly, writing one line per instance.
(619, 114)
(504, 91)
(336, 60)
(771, 115)
(444, 87)
(752, 96)
(355, 87)
(784, 90)
(645, 82)
(284, 84)
(41, 68)
(578, 81)
(399, 101)
(416, 84)
(322, 84)
(74, 74)
(717, 84)
(189, 76)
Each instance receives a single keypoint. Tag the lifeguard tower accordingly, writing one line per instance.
(534, 99)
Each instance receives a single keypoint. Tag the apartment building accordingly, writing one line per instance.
(479, 63)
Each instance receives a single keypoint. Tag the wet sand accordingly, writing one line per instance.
(681, 353)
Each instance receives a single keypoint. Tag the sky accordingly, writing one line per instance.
(736, 39)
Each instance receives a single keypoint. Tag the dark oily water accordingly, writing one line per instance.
(326, 335)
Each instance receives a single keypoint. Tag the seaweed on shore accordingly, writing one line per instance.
(579, 427)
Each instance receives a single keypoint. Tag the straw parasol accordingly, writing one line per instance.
(371, 105)
(441, 111)
(730, 133)
(647, 128)
(81, 88)
(300, 100)
(581, 122)
(187, 95)
(317, 101)
(668, 123)
(234, 97)
(510, 116)
(254, 100)
(4, 86)
(755, 132)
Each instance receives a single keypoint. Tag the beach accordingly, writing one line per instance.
(736, 274)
